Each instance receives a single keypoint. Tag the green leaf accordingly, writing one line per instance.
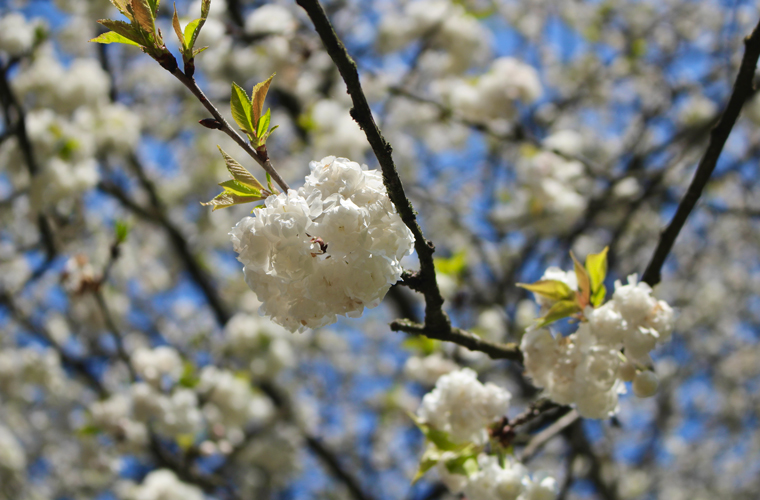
(143, 15)
(597, 297)
(89, 430)
(240, 174)
(121, 5)
(420, 344)
(190, 35)
(193, 29)
(153, 4)
(241, 109)
(453, 265)
(235, 187)
(271, 130)
(188, 379)
(584, 283)
(559, 310)
(551, 289)
(113, 37)
(638, 48)
(596, 266)
(263, 124)
(428, 460)
(439, 438)
(185, 441)
(124, 29)
(465, 464)
(178, 29)
(266, 136)
(227, 199)
(121, 229)
(258, 94)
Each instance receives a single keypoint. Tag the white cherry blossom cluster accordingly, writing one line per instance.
(494, 94)
(163, 484)
(220, 401)
(587, 369)
(493, 481)
(24, 368)
(458, 40)
(552, 187)
(153, 365)
(332, 247)
(16, 34)
(463, 408)
(230, 403)
(264, 348)
(12, 455)
(69, 122)
(428, 369)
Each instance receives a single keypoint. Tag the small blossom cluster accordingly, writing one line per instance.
(456, 39)
(70, 121)
(12, 456)
(163, 484)
(16, 34)
(587, 368)
(332, 247)
(27, 367)
(493, 95)
(463, 408)
(217, 399)
(494, 481)
(429, 369)
(552, 187)
(264, 348)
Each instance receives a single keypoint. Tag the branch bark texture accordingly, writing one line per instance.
(743, 89)
(437, 324)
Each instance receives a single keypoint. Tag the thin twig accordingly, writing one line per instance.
(224, 126)
(461, 337)
(540, 439)
(743, 89)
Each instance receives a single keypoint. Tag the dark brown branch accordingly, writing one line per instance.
(332, 463)
(743, 89)
(12, 109)
(437, 324)
(577, 439)
(362, 114)
(461, 337)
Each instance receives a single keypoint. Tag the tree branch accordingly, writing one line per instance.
(743, 89)
(461, 337)
(437, 324)
(224, 126)
(543, 437)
